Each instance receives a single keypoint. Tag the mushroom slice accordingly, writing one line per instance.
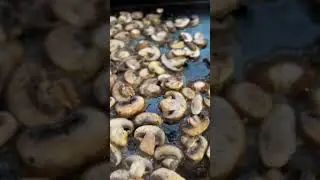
(96, 172)
(200, 86)
(173, 64)
(147, 118)
(120, 174)
(69, 51)
(195, 147)
(182, 22)
(156, 67)
(186, 37)
(165, 174)
(195, 125)
(173, 106)
(171, 82)
(116, 44)
(188, 93)
(122, 91)
(160, 37)
(197, 104)
(176, 44)
(150, 88)
(227, 138)
(135, 33)
(113, 20)
(75, 12)
(99, 88)
(115, 155)
(124, 17)
(150, 53)
(195, 20)
(145, 73)
(200, 40)
(77, 149)
(179, 52)
(8, 127)
(277, 139)
(149, 137)
(112, 102)
(170, 156)
(310, 123)
(133, 64)
(137, 15)
(171, 27)
(138, 166)
(130, 108)
(122, 35)
(121, 55)
(149, 30)
(120, 128)
(132, 77)
(251, 100)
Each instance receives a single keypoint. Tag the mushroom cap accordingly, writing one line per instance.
(173, 153)
(99, 88)
(131, 107)
(133, 158)
(165, 174)
(148, 118)
(120, 174)
(69, 53)
(173, 106)
(8, 127)
(195, 147)
(69, 144)
(141, 131)
(198, 129)
(96, 172)
(115, 155)
(120, 128)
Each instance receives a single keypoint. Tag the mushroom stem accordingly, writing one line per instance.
(137, 169)
(148, 144)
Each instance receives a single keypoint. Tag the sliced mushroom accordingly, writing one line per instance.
(121, 55)
(96, 172)
(138, 166)
(197, 104)
(156, 67)
(131, 107)
(133, 64)
(277, 140)
(193, 50)
(176, 44)
(149, 137)
(147, 118)
(65, 136)
(186, 37)
(195, 147)
(122, 35)
(165, 174)
(195, 20)
(115, 155)
(173, 106)
(310, 125)
(120, 174)
(195, 125)
(171, 27)
(188, 93)
(35, 98)
(8, 127)
(124, 17)
(173, 64)
(99, 88)
(251, 100)
(135, 33)
(170, 156)
(132, 77)
(171, 82)
(160, 37)
(200, 40)
(112, 102)
(145, 73)
(182, 22)
(150, 53)
(122, 91)
(68, 49)
(227, 138)
(116, 44)
(75, 12)
(137, 15)
(200, 86)
(150, 88)
(149, 30)
(120, 129)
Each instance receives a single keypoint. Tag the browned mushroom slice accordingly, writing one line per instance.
(223, 7)
(227, 138)
(310, 123)
(173, 64)
(120, 174)
(195, 147)
(150, 88)
(171, 82)
(165, 174)
(132, 77)
(173, 106)
(251, 100)
(121, 55)
(124, 17)
(195, 125)
(35, 98)
(156, 67)
(149, 137)
(122, 91)
(150, 53)
(75, 12)
(96, 172)
(188, 93)
(222, 68)
(138, 166)
(115, 155)
(277, 140)
(68, 51)
(283, 73)
(120, 129)
(8, 127)
(147, 118)
(77, 149)
(133, 106)
(170, 156)
(99, 88)
(200, 40)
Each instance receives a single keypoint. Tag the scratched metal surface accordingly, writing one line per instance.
(195, 70)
